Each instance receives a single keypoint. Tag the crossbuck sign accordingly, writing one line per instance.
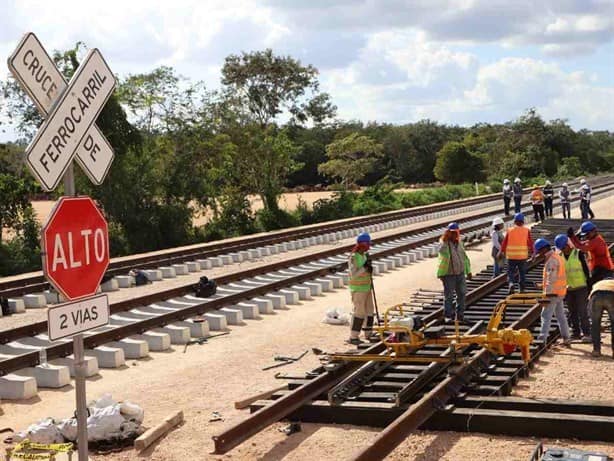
(71, 110)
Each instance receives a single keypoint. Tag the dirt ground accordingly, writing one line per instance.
(213, 376)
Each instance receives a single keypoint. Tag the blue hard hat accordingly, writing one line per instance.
(560, 241)
(364, 237)
(540, 244)
(587, 227)
(453, 226)
(519, 217)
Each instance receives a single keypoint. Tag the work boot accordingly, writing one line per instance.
(511, 289)
(587, 340)
(355, 341)
(597, 353)
(567, 342)
(355, 332)
(368, 329)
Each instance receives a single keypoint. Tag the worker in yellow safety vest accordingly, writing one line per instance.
(601, 299)
(361, 289)
(516, 246)
(554, 286)
(576, 298)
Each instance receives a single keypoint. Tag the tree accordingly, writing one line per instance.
(570, 167)
(270, 84)
(351, 158)
(456, 164)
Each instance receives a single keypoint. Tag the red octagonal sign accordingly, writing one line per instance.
(75, 247)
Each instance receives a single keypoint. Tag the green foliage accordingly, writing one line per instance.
(456, 164)
(351, 158)
(376, 199)
(570, 167)
(22, 252)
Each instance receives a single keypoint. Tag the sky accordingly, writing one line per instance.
(453, 61)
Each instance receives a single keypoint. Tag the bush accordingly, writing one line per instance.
(376, 199)
(267, 220)
(118, 241)
(339, 206)
(22, 253)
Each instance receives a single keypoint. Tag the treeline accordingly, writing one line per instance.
(182, 149)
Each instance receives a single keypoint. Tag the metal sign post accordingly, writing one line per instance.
(69, 131)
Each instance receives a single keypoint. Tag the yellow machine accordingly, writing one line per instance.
(403, 335)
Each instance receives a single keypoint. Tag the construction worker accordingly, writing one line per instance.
(516, 246)
(599, 260)
(537, 200)
(548, 198)
(360, 270)
(554, 285)
(517, 192)
(453, 267)
(508, 193)
(585, 202)
(601, 299)
(577, 274)
(497, 235)
(565, 197)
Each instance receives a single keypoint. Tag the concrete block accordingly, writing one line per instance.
(48, 375)
(280, 248)
(204, 264)
(236, 257)
(17, 387)
(51, 297)
(326, 284)
(265, 306)
(216, 321)
(16, 305)
(154, 274)
(168, 272)
(291, 296)
(91, 365)
(197, 329)
(291, 245)
(107, 357)
(226, 259)
(254, 253)
(233, 316)
(125, 281)
(303, 291)
(245, 255)
(133, 349)
(34, 301)
(216, 261)
(193, 266)
(378, 268)
(272, 249)
(315, 287)
(248, 309)
(277, 300)
(180, 269)
(156, 340)
(179, 335)
(110, 285)
(336, 280)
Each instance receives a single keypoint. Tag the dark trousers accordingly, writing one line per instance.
(585, 210)
(538, 212)
(599, 273)
(454, 285)
(506, 205)
(519, 265)
(548, 206)
(517, 204)
(566, 210)
(576, 301)
(599, 302)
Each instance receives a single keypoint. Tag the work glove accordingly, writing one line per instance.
(469, 276)
(570, 232)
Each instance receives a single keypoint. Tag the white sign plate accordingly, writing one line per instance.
(36, 72)
(55, 144)
(76, 317)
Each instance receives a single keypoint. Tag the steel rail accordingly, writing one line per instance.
(120, 266)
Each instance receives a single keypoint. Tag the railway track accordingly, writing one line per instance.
(204, 256)
(155, 321)
(402, 397)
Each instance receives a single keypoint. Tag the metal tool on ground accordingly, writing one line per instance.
(203, 340)
(566, 454)
(284, 360)
(404, 334)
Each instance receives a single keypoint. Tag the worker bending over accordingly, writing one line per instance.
(453, 266)
(554, 285)
(548, 198)
(576, 299)
(565, 197)
(361, 289)
(516, 246)
(601, 299)
(599, 260)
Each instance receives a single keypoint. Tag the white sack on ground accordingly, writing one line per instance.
(44, 431)
(336, 316)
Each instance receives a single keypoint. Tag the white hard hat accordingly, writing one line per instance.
(517, 180)
(564, 184)
(548, 182)
(585, 187)
(496, 222)
(582, 181)
(506, 181)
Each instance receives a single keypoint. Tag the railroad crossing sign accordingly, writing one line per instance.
(71, 111)
(75, 245)
(78, 316)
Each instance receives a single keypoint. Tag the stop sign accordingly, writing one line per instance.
(75, 247)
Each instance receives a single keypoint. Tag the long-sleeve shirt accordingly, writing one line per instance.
(564, 195)
(537, 197)
(507, 191)
(517, 190)
(552, 274)
(496, 243)
(597, 248)
(548, 191)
